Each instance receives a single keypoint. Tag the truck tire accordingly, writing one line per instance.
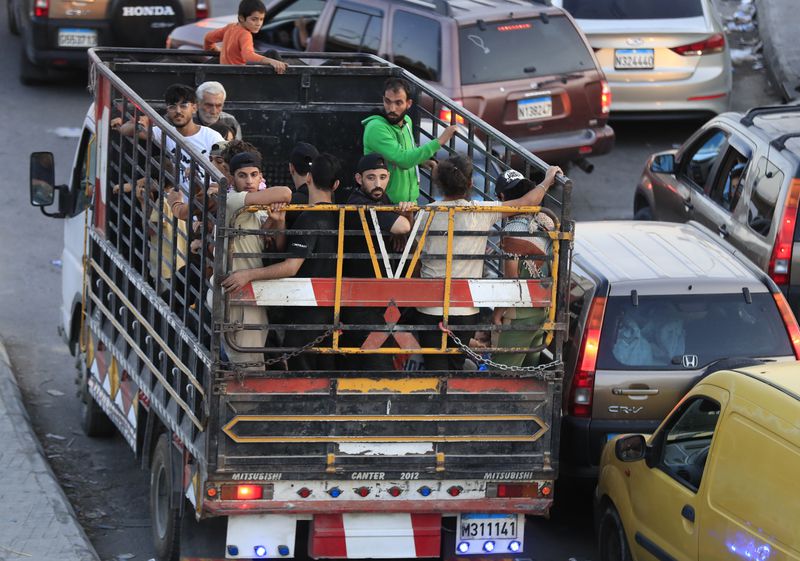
(94, 421)
(13, 25)
(144, 23)
(613, 544)
(165, 520)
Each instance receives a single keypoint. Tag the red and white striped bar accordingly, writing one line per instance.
(319, 292)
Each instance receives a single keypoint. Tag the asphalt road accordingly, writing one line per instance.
(101, 477)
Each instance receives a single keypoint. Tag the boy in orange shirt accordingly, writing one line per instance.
(237, 38)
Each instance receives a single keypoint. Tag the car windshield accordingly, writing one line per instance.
(523, 48)
(689, 332)
(633, 9)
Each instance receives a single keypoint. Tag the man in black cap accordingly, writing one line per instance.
(300, 160)
(372, 177)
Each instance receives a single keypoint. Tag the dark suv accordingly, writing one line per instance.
(739, 175)
(523, 67)
(56, 33)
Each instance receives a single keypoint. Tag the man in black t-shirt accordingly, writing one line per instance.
(311, 237)
(372, 177)
(300, 160)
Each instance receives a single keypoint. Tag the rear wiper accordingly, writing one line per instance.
(563, 79)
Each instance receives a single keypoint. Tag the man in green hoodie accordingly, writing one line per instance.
(389, 134)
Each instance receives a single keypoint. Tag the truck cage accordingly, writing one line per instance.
(146, 292)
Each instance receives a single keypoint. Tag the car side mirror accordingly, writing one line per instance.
(663, 163)
(42, 179)
(630, 448)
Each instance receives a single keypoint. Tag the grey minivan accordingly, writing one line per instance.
(653, 305)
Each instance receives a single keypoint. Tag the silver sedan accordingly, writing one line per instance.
(658, 55)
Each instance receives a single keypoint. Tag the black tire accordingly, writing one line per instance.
(94, 421)
(30, 74)
(612, 543)
(164, 520)
(644, 213)
(13, 25)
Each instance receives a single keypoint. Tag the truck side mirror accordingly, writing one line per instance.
(42, 179)
(663, 163)
(630, 448)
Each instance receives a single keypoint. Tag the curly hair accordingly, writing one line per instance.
(454, 176)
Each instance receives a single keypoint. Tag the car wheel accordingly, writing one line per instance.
(30, 74)
(613, 544)
(13, 26)
(165, 520)
(94, 421)
(644, 213)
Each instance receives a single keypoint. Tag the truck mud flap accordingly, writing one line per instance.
(364, 536)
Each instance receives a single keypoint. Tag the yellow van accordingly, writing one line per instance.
(718, 480)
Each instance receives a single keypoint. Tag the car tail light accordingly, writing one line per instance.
(41, 8)
(781, 258)
(711, 45)
(446, 115)
(580, 399)
(201, 9)
(605, 98)
(789, 321)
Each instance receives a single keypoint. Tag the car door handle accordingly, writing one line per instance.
(688, 513)
(629, 391)
(723, 230)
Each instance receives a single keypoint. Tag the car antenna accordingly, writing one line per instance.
(481, 25)
(768, 173)
(748, 298)
(634, 298)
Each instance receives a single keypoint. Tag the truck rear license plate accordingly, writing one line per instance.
(490, 533)
(77, 38)
(634, 59)
(535, 108)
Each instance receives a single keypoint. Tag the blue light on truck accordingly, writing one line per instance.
(283, 550)
(424, 490)
(463, 547)
(335, 492)
(233, 550)
(514, 547)
(488, 547)
(260, 551)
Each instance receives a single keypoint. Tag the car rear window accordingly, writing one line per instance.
(522, 48)
(633, 9)
(689, 332)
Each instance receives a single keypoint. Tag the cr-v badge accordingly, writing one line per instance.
(690, 361)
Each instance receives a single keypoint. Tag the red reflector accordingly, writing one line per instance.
(211, 492)
(706, 97)
(304, 492)
(395, 491)
(711, 45)
(782, 250)
(790, 322)
(580, 402)
(585, 150)
(362, 491)
(514, 27)
(454, 491)
(248, 492)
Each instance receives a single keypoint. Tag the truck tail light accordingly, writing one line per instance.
(201, 9)
(582, 389)
(41, 8)
(446, 115)
(247, 492)
(708, 46)
(789, 321)
(781, 258)
(605, 98)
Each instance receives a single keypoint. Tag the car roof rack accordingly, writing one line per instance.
(747, 120)
(780, 142)
(445, 7)
(438, 6)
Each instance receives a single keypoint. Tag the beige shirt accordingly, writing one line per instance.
(244, 243)
(436, 244)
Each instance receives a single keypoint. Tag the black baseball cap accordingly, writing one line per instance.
(371, 161)
(245, 160)
(303, 154)
(512, 180)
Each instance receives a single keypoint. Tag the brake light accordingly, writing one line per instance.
(510, 490)
(789, 321)
(711, 45)
(580, 399)
(446, 115)
(201, 9)
(781, 257)
(248, 492)
(41, 8)
(605, 98)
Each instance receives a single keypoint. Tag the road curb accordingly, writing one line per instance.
(55, 528)
(781, 48)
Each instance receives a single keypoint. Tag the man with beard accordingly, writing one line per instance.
(211, 100)
(389, 134)
(372, 177)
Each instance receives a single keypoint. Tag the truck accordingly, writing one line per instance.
(251, 460)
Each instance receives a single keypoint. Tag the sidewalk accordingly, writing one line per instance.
(777, 27)
(36, 520)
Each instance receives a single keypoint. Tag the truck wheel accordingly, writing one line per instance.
(13, 26)
(30, 74)
(613, 544)
(165, 520)
(94, 421)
